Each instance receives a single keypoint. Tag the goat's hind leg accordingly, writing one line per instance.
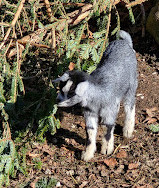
(108, 139)
(129, 106)
(108, 118)
(91, 126)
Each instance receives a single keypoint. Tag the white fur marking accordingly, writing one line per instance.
(90, 150)
(91, 122)
(107, 146)
(64, 77)
(66, 88)
(129, 122)
(81, 88)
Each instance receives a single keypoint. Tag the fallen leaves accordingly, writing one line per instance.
(111, 162)
(122, 154)
(151, 111)
(44, 148)
(152, 115)
(71, 66)
(133, 166)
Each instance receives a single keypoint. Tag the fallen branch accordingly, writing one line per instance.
(70, 19)
(73, 19)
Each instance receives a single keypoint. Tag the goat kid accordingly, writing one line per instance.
(101, 93)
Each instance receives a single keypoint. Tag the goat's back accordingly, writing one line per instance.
(116, 73)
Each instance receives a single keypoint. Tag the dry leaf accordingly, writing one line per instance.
(150, 111)
(33, 184)
(151, 115)
(71, 66)
(122, 154)
(90, 35)
(83, 125)
(83, 184)
(34, 154)
(111, 162)
(136, 120)
(133, 166)
(150, 120)
(44, 148)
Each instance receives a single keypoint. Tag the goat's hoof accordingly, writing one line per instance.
(107, 150)
(86, 156)
(127, 133)
(103, 151)
(110, 151)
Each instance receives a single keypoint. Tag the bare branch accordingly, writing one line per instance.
(13, 22)
(136, 2)
(48, 8)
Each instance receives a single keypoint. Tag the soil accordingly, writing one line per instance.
(135, 161)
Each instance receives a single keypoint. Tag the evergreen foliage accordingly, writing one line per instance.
(46, 182)
(154, 128)
(67, 33)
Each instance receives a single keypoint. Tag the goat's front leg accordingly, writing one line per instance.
(91, 126)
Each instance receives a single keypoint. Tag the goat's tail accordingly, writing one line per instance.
(126, 36)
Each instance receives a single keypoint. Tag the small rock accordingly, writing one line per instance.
(47, 171)
(58, 184)
(70, 172)
(78, 178)
(73, 126)
(104, 173)
(119, 169)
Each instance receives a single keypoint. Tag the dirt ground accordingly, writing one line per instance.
(134, 163)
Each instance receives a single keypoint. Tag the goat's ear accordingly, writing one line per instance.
(63, 78)
(81, 88)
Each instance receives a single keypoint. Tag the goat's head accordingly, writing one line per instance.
(72, 87)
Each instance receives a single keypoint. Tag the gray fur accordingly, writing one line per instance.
(101, 93)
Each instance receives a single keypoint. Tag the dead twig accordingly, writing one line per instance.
(53, 38)
(13, 22)
(64, 4)
(11, 5)
(143, 19)
(136, 2)
(69, 19)
(107, 30)
(48, 8)
(4, 24)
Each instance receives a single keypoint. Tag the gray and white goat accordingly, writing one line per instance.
(101, 93)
